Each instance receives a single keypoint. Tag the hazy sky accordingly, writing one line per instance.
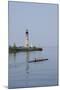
(40, 19)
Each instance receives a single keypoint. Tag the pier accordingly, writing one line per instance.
(38, 60)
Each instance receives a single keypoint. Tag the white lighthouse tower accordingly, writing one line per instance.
(27, 39)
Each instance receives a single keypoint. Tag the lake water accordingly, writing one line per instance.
(24, 74)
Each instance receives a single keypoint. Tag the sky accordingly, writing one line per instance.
(41, 20)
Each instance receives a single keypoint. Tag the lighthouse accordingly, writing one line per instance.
(27, 39)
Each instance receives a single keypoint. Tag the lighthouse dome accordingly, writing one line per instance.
(26, 31)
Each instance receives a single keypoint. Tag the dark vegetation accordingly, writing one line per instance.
(15, 49)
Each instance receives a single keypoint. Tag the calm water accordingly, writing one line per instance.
(24, 74)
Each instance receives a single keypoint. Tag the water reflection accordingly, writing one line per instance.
(27, 67)
(14, 55)
(27, 57)
(24, 74)
(27, 64)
